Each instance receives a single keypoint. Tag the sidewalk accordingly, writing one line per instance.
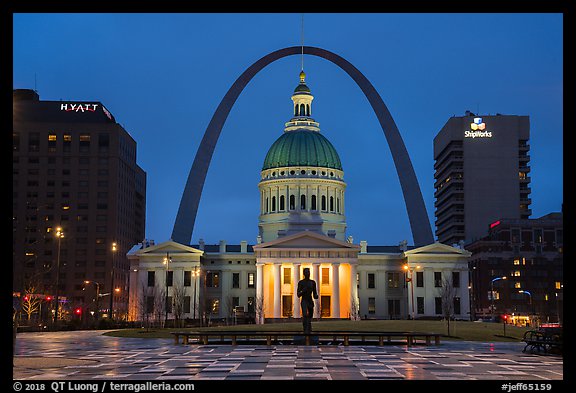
(86, 355)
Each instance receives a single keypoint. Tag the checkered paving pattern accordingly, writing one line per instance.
(149, 359)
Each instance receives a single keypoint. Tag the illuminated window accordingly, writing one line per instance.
(250, 280)
(287, 275)
(371, 305)
(516, 273)
(393, 279)
(51, 138)
(325, 275)
(516, 261)
(558, 285)
(517, 285)
(522, 175)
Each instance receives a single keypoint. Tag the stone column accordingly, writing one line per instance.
(296, 313)
(277, 293)
(335, 290)
(259, 290)
(316, 277)
(354, 301)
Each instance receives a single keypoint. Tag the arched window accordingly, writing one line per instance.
(266, 204)
(307, 110)
(302, 202)
(273, 203)
(323, 202)
(282, 202)
(302, 110)
(292, 202)
(338, 205)
(331, 204)
(296, 110)
(313, 203)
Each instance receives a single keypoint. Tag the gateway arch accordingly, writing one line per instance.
(417, 214)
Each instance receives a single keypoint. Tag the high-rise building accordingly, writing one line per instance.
(481, 174)
(74, 174)
(517, 269)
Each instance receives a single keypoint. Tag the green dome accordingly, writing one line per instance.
(302, 148)
(302, 88)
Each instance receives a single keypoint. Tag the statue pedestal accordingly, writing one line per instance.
(301, 340)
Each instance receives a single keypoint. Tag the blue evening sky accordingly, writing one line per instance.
(163, 75)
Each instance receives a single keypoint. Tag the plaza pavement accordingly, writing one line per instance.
(89, 355)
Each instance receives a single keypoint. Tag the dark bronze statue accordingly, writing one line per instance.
(306, 291)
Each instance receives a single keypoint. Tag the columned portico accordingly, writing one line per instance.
(332, 265)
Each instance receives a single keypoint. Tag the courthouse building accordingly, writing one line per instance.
(302, 224)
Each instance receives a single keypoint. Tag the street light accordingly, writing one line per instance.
(97, 294)
(410, 279)
(166, 262)
(112, 281)
(59, 235)
(530, 301)
(196, 274)
(492, 291)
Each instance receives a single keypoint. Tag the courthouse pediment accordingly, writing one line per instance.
(438, 249)
(306, 239)
(170, 246)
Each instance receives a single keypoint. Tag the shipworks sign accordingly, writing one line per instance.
(477, 130)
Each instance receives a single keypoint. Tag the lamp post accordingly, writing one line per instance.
(167, 263)
(59, 235)
(111, 316)
(530, 301)
(492, 291)
(97, 294)
(196, 274)
(410, 279)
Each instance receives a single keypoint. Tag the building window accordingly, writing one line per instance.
(250, 280)
(151, 278)
(282, 202)
(302, 202)
(149, 304)
(214, 306)
(331, 204)
(393, 279)
(292, 202)
(516, 261)
(438, 305)
(169, 304)
(187, 303)
(420, 305)
(394, 308)
(235, 280)
(558, 285)
(324, 306)
(313, 203)
(456, 279)
(438, 279)
(371, 280)
(187, 278)
(287, 275)
(516, 273)
(323, 203)
(286, 306)
(325, 276)
(371, 305)
(273, 203)
(457, 305)
(169, 278)
(517, 285)
(212, 280)
(420, 279)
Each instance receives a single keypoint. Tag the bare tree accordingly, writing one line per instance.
(179, 292)
(447, 294)
(259, 309)
(159, 303)
(146, 307)
(354, 309)
(30, 301)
